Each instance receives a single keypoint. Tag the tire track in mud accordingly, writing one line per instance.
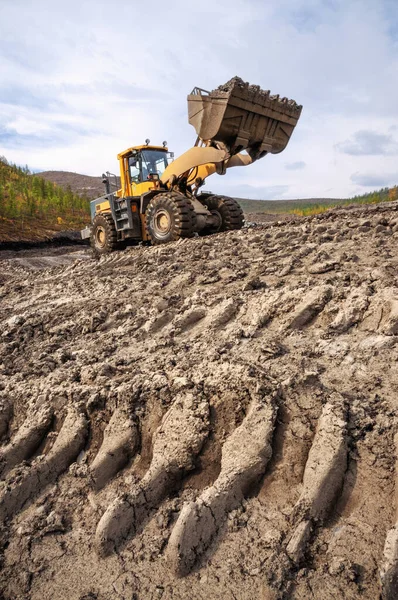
(26, 440)
(176, 443)
(389, 565)
(23, 485)
(199, 521)
(119, 444)
(182, 466)
(323, 477)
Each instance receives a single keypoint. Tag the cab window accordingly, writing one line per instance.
(134, 165)
(153, 162)
(145, 163)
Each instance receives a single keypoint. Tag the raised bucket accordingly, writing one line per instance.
(243, 117)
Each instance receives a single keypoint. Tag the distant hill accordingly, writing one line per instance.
(92, 187)
(311, 206)
(281, 206)
(84, 185)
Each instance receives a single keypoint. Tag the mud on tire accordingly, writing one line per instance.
(229, 211)
(170, 217)
(103, 237)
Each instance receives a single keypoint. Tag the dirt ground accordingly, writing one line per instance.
(264, 217)
(213, 418)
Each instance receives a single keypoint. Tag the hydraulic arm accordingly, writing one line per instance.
(236, 125)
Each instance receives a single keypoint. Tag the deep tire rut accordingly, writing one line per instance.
(210, 418)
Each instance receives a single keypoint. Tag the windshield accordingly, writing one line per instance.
(147, 162)
(153, 161)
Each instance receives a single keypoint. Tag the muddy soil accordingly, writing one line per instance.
(213, 418)
(44, 256)
(259, 218)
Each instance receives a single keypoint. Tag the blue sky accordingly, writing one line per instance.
(81, 81)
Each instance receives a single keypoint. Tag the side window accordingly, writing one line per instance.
(134, 165)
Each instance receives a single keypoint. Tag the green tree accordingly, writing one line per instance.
(11, 206)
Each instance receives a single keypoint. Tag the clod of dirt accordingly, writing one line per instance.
(5, 415)
(311, 305)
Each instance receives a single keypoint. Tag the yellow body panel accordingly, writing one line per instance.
(204, 171)
(103, 207)
(140, 188)
(129, 188)
(125, 189)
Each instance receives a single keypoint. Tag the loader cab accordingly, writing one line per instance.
(143, 164)
(140, 166)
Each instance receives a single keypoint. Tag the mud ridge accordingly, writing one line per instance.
(212, 418)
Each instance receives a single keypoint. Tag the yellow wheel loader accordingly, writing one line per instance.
(158, 199)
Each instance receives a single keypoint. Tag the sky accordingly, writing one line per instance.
(82, 81)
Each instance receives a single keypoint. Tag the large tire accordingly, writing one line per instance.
(103, 237)
(229, 211)
(169, 217)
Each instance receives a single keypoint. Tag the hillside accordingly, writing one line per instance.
(282, 206)
(311, 206)
(210, 419)
(84, 185)
(33, 209)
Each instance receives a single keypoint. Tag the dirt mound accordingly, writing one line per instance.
(213, 418)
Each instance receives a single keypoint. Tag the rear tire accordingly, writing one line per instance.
(103, 237)
(170, 217)
(229, 211)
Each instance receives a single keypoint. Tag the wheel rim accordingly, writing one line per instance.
(162, 222)
(100, 236)
(216, 213)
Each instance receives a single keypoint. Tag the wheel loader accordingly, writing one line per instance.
(158, 199)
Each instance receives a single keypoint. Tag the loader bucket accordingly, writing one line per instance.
(243, 117)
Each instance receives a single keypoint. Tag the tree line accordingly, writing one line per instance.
(23, 194)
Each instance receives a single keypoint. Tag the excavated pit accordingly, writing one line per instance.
(214, 418)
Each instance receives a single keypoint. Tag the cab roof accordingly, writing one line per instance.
(129, 151)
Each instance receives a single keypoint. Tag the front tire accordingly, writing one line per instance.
(103, 237)
(227, 209)
(170, 217)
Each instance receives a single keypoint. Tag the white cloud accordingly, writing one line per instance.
(369, 143)
(375, 180)
(80, 81)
